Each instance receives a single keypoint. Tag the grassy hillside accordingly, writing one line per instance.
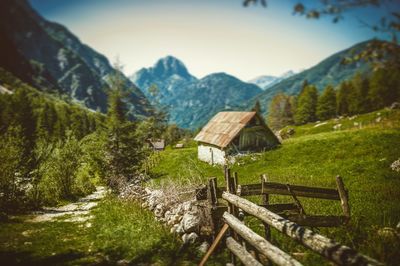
(313, 157)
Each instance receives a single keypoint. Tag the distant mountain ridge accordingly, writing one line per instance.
(330, 71)
(48, 56)
(191, 101)
(267, 81)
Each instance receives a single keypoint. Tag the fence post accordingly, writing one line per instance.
(344, 200)
(213, 200)
(265, 202)
(230, 187)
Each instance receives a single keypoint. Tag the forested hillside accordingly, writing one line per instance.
(331, 71)
(356, 95)
(59, 62)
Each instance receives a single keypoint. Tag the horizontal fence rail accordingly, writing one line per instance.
(276, 188)
(272, 252)
(245, 257)
(339, 254)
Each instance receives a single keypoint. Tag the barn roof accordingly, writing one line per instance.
(224, 127)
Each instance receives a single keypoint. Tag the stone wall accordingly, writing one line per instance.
(182, 213)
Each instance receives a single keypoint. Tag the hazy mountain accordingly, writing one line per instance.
(266, 81)
(191, 101)
(329, 71)
(201, 100)
(47, 55)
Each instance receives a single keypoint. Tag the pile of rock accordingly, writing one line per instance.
(188, 219)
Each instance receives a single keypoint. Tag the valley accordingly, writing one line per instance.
(159, 132)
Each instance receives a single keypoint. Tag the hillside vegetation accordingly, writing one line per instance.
(313, 157)
(330, 71)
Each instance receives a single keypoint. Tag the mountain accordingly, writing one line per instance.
(265, 82)
(331, 71)
(201, 100)
(192, 102)
(169, 74)
(48, 56)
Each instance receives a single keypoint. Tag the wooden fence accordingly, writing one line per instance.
(272, 215)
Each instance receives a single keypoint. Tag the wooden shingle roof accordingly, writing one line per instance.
(224, 127)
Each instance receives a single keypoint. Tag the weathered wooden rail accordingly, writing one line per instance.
(293, 211)
(241, 237)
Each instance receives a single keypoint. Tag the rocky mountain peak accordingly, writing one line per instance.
(168, 66)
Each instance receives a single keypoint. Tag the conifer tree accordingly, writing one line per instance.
(384, 88)
(326, 107)
(280, 111)
(26, 120)
(122, 150)
(306, 105)
(47, 118)
(358, 98)
(343, 98)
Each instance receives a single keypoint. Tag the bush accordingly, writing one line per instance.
(60, 171)
(83, 184)
(11, 157)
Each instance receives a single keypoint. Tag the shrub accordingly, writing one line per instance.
(60, 170)
(83, 184)
(11, 157)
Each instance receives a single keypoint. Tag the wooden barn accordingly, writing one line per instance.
(232, 133)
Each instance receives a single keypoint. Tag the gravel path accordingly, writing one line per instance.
(74, 212)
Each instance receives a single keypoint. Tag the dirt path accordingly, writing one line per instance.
(74, 212)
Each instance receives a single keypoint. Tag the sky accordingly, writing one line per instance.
(209, 36)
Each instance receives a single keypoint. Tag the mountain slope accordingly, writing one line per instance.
(267, 81)
(329, 71)
(201, 100)
(169, 74)
(54, 59)
(192, 102)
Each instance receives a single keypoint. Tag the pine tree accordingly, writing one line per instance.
(358, 98)
(343, 98)
(47, 119)
(280, 111)
(123, 152)
(26, 120)
(384, 88)
(306, 105)
(78, 123)
(326, 107)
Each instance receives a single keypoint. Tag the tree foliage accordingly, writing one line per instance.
(306, 105)
(123, 150)
(36, 132)
(280, 111)
(326, 106)
(343, 98)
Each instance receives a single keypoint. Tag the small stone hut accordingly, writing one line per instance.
(232, 133)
